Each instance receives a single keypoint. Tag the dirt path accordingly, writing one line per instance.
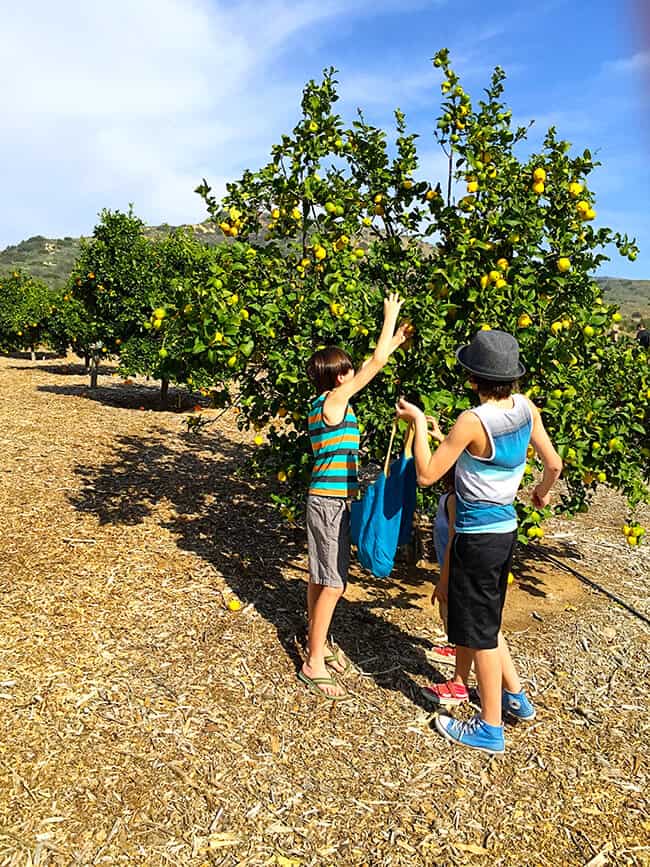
(142, 722)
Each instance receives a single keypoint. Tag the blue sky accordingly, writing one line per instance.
(137, 100)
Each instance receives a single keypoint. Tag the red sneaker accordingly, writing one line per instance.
(449, 694)
(443, 653)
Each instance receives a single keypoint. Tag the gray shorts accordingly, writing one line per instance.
(328, 540)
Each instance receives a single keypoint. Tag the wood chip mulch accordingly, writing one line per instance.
(142, 722)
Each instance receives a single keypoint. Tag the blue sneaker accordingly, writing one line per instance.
(517, 705)
(475, 733)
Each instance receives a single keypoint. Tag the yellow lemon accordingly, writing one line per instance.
(282, 476)
(472, 187)
(539, 175)
(484, 281)
(538, 187)
(511, 578)
(494, 276)
(500, 283)
(563, 264)
(234, 605)
(296, 214)
(258, 440)
(575, 189)
(582, 206)
(502, 264)
(524, 321)
(320, 252)
(275, 213)
(430, 195)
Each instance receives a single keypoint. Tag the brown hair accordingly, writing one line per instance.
(495, 390)
(324, 367)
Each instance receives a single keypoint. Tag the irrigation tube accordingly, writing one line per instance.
(596, 586)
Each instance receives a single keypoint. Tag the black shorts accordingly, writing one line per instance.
(478, 580)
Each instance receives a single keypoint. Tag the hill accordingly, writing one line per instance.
(52, 259)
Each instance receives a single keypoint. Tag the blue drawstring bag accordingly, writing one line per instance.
(383, 519)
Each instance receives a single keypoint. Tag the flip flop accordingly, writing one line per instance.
(312, 683)
(337, 657)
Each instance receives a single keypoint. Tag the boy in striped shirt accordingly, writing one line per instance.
(334, 435)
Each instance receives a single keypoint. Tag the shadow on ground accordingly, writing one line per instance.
(227, 519)
(133, 396)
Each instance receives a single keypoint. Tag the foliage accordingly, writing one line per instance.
(25, 304)
(336, 218)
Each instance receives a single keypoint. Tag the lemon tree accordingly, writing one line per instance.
(25, 305)
(509, 239)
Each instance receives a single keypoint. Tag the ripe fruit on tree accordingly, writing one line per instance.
(563, 264)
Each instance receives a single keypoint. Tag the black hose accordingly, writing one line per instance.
(596, 586)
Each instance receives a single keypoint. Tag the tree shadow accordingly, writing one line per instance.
(41, 355)
(71, 368)
(219, 513)
(133, 396)
(527, 565)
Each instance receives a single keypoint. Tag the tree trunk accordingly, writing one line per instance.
(87, 360)
(32, 352)
(164, 390)
(94, 369)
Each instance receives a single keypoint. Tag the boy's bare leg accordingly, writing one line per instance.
(509, 674)
(324, 603)
(313, 592)
(487, 666)
(464, 659)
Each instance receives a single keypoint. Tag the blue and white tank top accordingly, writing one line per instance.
(486, 487)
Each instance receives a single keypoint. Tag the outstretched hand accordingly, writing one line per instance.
(434, 428)
(392, 306)
(407, 411)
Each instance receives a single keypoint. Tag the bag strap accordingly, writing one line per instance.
(408, 440)
(407, 448)
(390, 448)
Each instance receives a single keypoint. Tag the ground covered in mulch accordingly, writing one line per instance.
(143, 722)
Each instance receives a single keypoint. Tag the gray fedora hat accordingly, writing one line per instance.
(492, 355)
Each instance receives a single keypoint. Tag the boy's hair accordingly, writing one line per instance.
(495, 390)
(324, 367)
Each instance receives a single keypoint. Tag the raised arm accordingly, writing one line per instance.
(388, 342)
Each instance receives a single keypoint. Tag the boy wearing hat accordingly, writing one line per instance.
(488, 445)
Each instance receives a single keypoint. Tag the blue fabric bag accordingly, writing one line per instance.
(383, 518)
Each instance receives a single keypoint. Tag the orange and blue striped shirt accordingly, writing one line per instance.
(336, 453)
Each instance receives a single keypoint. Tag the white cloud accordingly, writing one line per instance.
(635, 63)
(137, 100)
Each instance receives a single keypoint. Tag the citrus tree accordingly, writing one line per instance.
(510, 240)
(25, 304)
(125, 282)
(67, 325)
